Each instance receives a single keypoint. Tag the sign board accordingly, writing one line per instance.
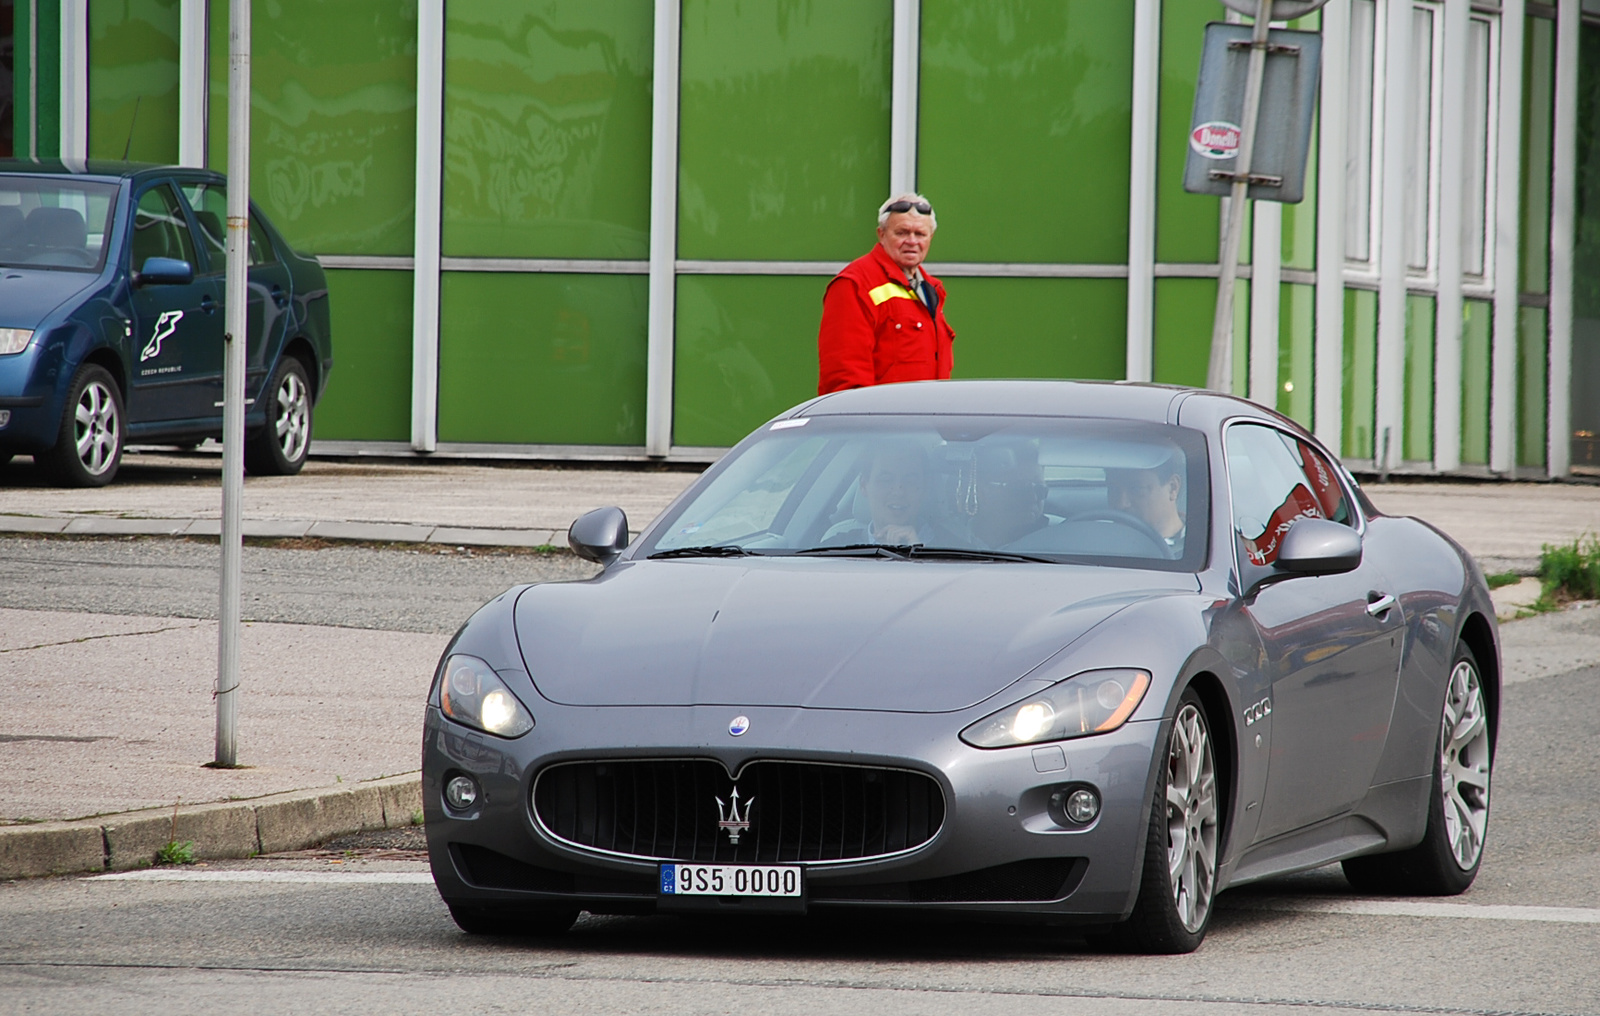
(1283, 133)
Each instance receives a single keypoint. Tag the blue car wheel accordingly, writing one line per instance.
(88, 446)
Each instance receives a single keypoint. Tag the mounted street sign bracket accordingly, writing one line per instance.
(1254, 179)
(1282, 10)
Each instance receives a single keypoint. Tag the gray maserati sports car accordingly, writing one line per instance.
(1076, 653)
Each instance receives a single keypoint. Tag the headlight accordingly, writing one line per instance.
(14, 340)
(473, 694)
(1088, 703)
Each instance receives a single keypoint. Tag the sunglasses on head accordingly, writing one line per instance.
(920, 207)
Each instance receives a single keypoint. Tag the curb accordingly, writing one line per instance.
(264, 825)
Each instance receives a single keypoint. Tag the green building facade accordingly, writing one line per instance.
(602, 228)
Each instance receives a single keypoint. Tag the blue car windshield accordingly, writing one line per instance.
(54, 222)
(1069, 490)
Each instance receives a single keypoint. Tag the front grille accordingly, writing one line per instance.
(798, 811)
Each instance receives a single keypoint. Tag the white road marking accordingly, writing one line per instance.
(1412, 908)
(284, 877)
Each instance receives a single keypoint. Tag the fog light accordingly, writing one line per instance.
(461, 792)
(1083, 805)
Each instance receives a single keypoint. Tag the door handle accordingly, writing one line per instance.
(1378, 603)
(207, 304)
(278, 296)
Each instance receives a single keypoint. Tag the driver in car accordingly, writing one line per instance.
(1153, 496)
(1009, 493)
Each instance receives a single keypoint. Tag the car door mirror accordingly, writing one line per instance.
(600, 535)
(164, 272)
(1319, 547)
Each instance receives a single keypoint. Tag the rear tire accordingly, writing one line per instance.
(279, 448)
(88, 446)
(537, 924)
(1446, 861)
(1178, 885)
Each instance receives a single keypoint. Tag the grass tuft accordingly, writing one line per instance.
(176, 853)
(1569, 571)
(1505, 578)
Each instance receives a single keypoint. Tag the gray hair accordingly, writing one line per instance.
(883, 209)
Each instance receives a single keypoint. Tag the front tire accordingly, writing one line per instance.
(496, 923)
(1179, 882)
(88, 446)
(1446, 861)
(279, 448)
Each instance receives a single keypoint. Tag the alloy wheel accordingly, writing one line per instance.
(292, 417)
(1464, 765)
(95, 428)
(1191, 818)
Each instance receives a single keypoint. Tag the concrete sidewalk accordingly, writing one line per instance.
(107, 721)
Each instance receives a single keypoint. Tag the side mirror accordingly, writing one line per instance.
(164, 272)
(600, 535)
(1319, 547)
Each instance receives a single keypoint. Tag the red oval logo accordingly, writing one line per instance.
(1217, 139)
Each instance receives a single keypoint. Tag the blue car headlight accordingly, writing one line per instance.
(473, 694)
(1094, 702)
(14, 340)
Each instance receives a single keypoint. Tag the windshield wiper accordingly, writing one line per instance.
(898, 551)
(968, 554)
(714, 550)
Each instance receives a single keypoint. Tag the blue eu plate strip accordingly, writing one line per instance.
(669, 878)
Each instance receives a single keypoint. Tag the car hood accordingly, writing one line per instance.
(27, 295)
(821, 633)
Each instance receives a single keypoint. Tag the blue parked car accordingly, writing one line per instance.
(111, 320)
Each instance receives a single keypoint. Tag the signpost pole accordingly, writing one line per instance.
(1219, 373)
(234, 341)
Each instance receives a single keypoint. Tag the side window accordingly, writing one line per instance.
(159, 228)
(1324, 484)
(1270, 489)
(210, 204)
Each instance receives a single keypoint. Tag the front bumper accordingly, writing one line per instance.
(998, 850)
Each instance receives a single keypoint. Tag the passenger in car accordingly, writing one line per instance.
(894, 485)
(1154, 496)
(1009, 493)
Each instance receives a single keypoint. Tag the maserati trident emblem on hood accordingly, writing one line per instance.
(731, 820)
(739, 725)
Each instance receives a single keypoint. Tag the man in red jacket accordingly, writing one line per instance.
(883, 316)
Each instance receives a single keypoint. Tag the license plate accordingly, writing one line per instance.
(730, 880)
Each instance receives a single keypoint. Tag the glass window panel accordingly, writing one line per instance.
(210, 206)
(1024, 110)
(333, 121)
(1419, 379)
(542, 358)
(1419, 141)
(369, 394)
(1360, 372)
(1475, 171)
(547, 128)
(1358, 132)
(160, 229)
(1477, 322)
(1296, 334)
(1538, 121)
(783, 128)
(133, 80)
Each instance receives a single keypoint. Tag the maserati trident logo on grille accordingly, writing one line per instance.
(739, 725)
(731, 820)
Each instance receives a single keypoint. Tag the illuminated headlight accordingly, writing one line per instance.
(473, 694)
(14, 340)
(1090, 703)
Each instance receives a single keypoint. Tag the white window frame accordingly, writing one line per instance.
(1481, 286)
(1366, 270)
(1428, 273)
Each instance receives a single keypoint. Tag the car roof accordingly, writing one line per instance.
(93, 169)
(1118, 399)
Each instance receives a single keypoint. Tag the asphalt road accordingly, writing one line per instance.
(297, 934)
(393, 589)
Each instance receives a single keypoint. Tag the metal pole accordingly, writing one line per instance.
(1219, 374)
(234, 341)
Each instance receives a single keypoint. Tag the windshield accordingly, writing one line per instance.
(54, 222)
(1107, 492)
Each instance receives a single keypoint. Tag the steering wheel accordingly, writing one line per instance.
(1128, 519)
